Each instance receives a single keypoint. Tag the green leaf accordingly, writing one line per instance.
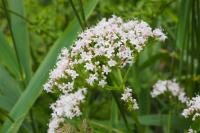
(183, 22)
(21, 37)
(151, 60)
(9, 90)
(35, 88)
(177, 121)
(114, 113)
(105, 125)
(7, 57)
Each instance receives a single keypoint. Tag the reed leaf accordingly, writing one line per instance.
(7, 57)
(19, 33)
(9, 90)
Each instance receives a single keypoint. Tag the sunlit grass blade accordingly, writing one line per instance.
(35, 88)
(7, 57)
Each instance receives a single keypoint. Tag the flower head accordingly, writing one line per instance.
(67, 106)
(112, 43)
(193, 108)
(127, 97)
(171, 86)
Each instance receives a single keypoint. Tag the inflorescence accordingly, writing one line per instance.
(193, 108)
(171, 87)
(111, 44)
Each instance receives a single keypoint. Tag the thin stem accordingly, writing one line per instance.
(134, 115)
(169, 122)
(121, 110)
(32, 121)
(82, 12)
(76, 13)
(138, 125)
(126, 75)
(17, 14)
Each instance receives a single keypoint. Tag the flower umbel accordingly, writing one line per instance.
(127, 97)
(171, 86)
(111, 44)
(193, 108)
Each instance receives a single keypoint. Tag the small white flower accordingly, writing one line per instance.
(86, 56)
(193, 108)
(127, 97)
(109, 52)
(191, 131)
(72, 73)
(91, 79)
(89, 66)
(159, 34)
(106, 69)
(67, 106)
(54, 124)
(159, 88)
(48, 86)
(112, 63)
(102, 83)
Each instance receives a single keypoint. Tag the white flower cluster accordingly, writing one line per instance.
(112, 43)
(171, 86)
(191, 131)
(127, 97)
(193, 108)
(67, 106)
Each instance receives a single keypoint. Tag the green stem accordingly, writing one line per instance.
(82, 12)
(138, 125)
(134, 114)
(76, 13)
(17, 14)
(121, 110)
(126, 75)
(87, 109)
(169, 122)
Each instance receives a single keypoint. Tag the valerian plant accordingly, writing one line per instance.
(192, 111)
(175, 96)
(96, 61)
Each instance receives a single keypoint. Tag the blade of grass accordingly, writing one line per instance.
(76, 13)
(4, 113)
(105, 126)
(177, 122)
(181, 39)
(19, 33)
(114, 114)
(9, 90)
(7, 57)
(19, 15)
(82, 13)
(34, 88)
